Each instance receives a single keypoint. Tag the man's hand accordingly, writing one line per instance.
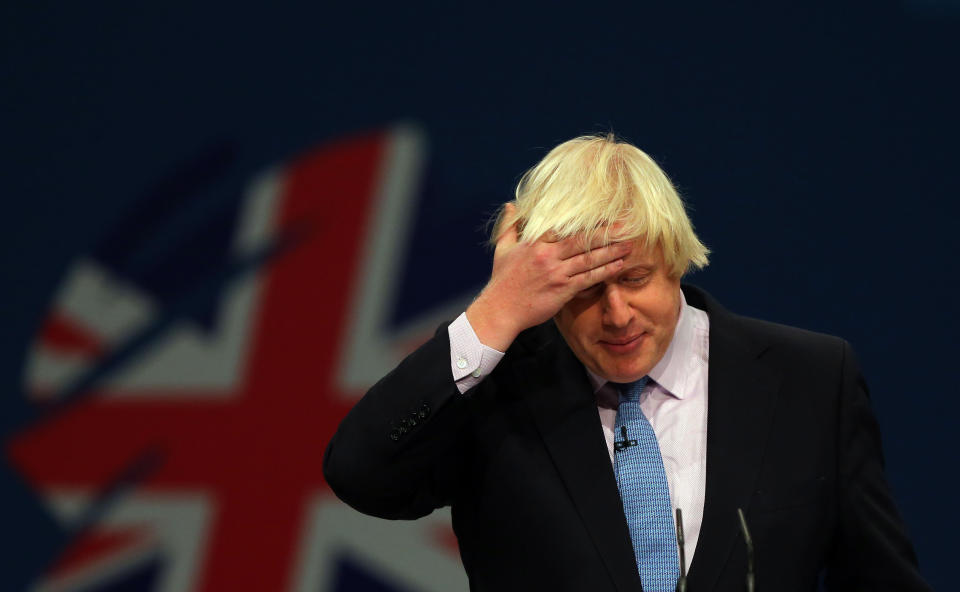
(532, 281)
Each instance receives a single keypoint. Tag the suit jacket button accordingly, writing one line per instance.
(394, 434)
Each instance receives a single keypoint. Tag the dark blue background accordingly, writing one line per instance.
(814, 141)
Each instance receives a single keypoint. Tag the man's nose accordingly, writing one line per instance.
(616, 310)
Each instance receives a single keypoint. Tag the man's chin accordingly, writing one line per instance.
(623, 375)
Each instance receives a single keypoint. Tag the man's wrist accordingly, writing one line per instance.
(494, 329)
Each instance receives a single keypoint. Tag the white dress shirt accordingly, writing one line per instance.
(674, 401)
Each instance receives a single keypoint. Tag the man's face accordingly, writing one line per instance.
(621, 328)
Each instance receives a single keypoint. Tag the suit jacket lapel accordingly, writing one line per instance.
(565, 412)
(741, 399)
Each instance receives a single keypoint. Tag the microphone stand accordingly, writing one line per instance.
(682, 580)
(750, 583)
(747, 539)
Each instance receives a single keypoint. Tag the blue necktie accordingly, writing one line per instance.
(645, 493)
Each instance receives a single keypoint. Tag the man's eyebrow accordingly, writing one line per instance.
(641, 267)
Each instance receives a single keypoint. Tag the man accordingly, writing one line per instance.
(585, 394)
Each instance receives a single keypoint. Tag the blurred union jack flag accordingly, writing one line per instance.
(194, 365)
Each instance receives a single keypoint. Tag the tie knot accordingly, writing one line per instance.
(630, 391)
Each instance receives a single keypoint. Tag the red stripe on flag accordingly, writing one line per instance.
(98, 544)
(62, 333)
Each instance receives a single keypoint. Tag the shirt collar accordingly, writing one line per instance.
(671, 371)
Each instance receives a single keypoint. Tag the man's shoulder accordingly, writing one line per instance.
(763, 336)
(786, 339)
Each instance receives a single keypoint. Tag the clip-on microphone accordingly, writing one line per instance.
(620, 445)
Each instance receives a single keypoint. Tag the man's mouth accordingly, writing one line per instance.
(623, 345)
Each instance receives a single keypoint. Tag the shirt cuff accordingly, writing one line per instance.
(470, 360)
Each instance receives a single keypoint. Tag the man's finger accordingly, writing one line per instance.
(508, 236)
(597, 274)
(507, 227)
(573, 246)
(596, 258)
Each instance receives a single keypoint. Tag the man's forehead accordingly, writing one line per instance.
(643, 254)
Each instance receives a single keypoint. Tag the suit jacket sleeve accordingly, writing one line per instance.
(399, 453)
(872, 550)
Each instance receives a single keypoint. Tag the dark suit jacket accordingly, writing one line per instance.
(522, 460)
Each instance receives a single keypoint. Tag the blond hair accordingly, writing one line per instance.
(605, 189)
